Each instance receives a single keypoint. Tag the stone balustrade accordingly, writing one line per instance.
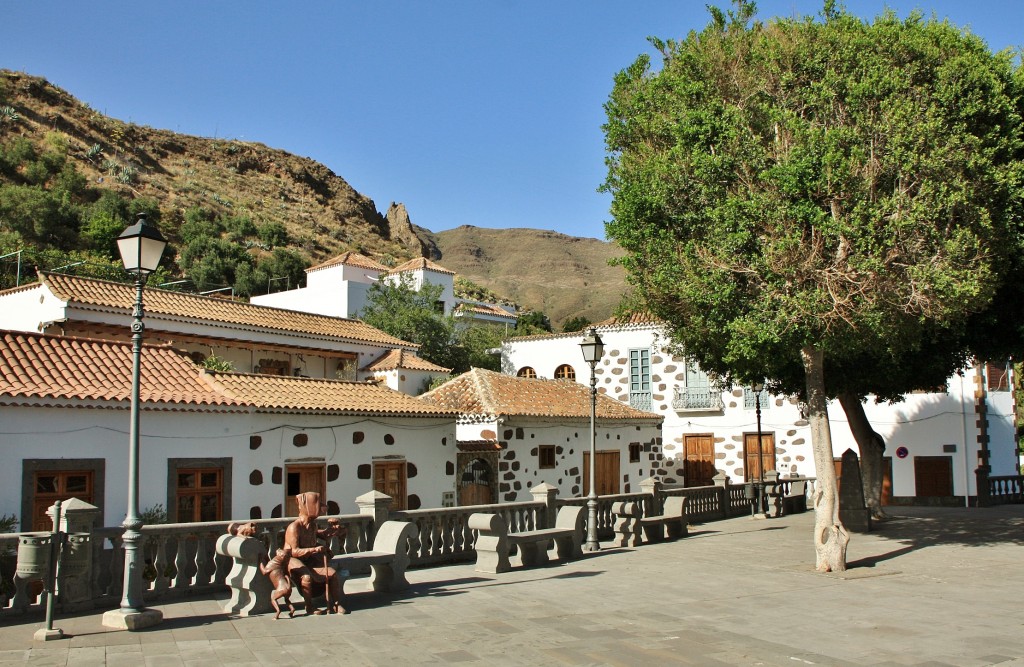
(181, 559)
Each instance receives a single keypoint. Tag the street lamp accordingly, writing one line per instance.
(758, 388)
(593, 349)
(141, 247)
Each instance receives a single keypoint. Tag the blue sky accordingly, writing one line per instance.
(472, 112)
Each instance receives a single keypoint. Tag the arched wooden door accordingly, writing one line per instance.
(475, 483)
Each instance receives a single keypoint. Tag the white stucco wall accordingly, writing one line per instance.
(923, 423)
(519, 469)
(30, 309)
(350, 443)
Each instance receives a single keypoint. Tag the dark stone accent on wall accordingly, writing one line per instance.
(411, 470)
(559, 450)
(444, 442)
(364, 471)
(508, 476)
(488, 434)
(389, 439)
(357, 437)
(333, 472)
(515, 465)
(503, 487)
(276, 512)
(300, 440)
(575, 490)
(449, 468)
(533, 452)
(574, 471)
(276, 475)
(519, 434)
(333, 508)
(570, 452)
(509, 455)
(255, 512)
(414, 502)
(255, 441)
(502, 466)
(517, 486)
(255, 478)
(507, 434)
(627, 489)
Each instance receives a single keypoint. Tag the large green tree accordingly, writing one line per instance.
(815, 189)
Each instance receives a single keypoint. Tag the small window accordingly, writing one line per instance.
(526, 372)
(546, 456)
(565, 372)
(634, 452)
(199, 494)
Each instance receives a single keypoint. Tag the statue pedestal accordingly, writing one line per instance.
(121, 619)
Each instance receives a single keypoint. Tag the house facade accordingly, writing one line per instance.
(514, 433)
(213, 445)
(935, 440)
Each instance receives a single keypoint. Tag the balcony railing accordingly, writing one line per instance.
(641, 400)
(698, 398)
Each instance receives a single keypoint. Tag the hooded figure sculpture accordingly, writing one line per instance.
(308, 566)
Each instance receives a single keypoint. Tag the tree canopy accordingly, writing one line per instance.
(813, 191)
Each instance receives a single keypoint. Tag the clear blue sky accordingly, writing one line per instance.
(475, 112)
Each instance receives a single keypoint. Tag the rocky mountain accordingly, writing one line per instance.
(324, 215)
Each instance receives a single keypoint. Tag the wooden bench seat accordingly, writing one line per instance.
(494, 542)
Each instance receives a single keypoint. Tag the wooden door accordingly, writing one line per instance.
(606, 470)
(389, 477)
(933, 476)
(301, 479)
(699, 460)
(475, 484)
(754, 468)
(52, 485)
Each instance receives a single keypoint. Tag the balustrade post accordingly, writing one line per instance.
(981, 479)
(377, 505)
(74, 583)
(721, 480)
(547, 494)
(652, 488)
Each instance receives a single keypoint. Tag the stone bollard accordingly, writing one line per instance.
(773, 491)
(250, 589)
(721, 480)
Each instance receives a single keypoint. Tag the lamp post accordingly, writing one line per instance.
(141, 247)
(593, 349)
(758, 388)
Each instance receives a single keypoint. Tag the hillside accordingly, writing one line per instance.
(322, 214)
(564, 276)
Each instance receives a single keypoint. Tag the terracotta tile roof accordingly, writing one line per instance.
(643, 317)
(479, 446)
(352, 259)
(39, 366)
(486, 309)
(486, 392)
(293, 394)
(420, 263)
(395, 359)
(633, 319)
(102, 294)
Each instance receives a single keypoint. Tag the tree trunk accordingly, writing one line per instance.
(872, 450)
(830, 536)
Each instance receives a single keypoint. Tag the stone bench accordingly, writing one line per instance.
(627, 523)
(670, 524)
(494, 542)
(388, 560)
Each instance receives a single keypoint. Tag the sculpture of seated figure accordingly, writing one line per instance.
(308, 566)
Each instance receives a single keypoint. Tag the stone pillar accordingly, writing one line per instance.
(981, 479)
(773, 491)
(853, 513)
(721, 480)
(547, 494)
(377, 505)
(652, 488)
(77, 521)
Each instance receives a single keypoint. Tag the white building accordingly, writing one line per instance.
(514, 433)
(339, 286)
(213, 445)
(933, 439)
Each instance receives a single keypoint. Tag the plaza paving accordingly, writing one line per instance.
(930, 587)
